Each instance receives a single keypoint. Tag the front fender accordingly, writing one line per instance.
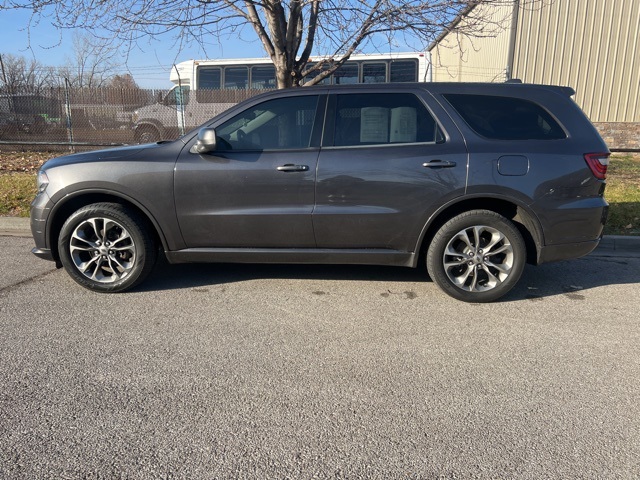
(165, 225)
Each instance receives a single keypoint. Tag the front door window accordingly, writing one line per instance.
(281, 124)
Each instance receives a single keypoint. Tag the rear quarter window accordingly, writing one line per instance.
(506, 118)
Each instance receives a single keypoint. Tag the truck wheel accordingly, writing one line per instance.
(147, 135)
(106, 247)
(477, 256)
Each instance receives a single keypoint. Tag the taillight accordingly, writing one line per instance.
(598, 163)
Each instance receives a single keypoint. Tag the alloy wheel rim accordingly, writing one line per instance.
(102, 250)
(478, 258)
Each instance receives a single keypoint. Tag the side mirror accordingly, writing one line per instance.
(206, 141)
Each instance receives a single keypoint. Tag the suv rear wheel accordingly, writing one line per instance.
(477, 256)
(105, 247)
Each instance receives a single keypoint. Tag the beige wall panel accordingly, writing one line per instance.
(461, 59)
(591, 45)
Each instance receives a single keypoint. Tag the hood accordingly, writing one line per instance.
(99, 155)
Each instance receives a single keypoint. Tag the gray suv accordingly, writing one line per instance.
(473, 180)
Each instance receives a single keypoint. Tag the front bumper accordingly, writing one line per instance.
(40, 209)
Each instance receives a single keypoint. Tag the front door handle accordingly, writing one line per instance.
(439, 164)
(290, 167)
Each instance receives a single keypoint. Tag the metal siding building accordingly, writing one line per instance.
(457, 58)
(590, 45)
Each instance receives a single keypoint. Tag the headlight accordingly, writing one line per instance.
(43, 181)
(134, 117)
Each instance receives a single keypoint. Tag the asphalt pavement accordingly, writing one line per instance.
(271, 371)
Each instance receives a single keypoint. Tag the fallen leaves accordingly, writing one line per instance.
(23, 162)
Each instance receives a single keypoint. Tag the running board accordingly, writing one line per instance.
(293, 255)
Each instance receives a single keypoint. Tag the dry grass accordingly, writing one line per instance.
(18, 180)
(16, 193)
(623, 195)
(18, 169)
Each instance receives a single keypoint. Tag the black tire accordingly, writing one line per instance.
(147, 135)
(467, 271)
(107, 247)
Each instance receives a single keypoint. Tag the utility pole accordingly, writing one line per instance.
(512, 39)
(67, 108)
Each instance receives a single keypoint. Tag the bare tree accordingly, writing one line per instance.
(290, 31)
(93, 64)
(19, 74)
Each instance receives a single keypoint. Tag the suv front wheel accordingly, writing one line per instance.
(477, 256)
(105, 247)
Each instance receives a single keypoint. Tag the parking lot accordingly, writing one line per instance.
(257, 371)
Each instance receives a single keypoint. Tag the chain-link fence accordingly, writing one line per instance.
(93, 117)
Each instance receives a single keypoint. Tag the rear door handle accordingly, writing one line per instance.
(439, 164)
(290, 167)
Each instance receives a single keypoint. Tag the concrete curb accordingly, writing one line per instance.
(610, 245)
(15, 227)
(618, 246)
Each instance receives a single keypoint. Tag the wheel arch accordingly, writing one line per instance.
(65, 208)
(523, 218)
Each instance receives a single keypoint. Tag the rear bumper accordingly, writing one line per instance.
(568, 251)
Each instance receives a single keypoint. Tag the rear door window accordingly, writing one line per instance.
(506, 118)
(383, 118)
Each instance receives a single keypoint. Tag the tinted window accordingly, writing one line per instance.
(376, 118)
(404, 71)
(506, 118)
(209, 78)
(374, 73)
(236, 78)
(263, 77)
(313, 75)
(283, 123)
(346, 74)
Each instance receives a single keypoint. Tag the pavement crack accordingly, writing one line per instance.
(26, 281)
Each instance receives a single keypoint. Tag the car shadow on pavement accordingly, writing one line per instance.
(569, 278)
(574, 278)
(181, 276)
